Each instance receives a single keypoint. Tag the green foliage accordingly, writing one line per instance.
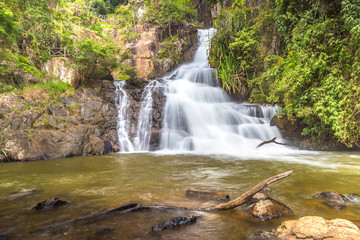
(234, 48)
(171, 50)
(9, 27)
(129, 74)
(303, 55)
(24, 63)
(46, 123)
(5, 88)
(54, 87)
(126, 16)
(92, 53)
(170, 11)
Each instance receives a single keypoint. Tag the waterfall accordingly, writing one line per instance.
(143, 132)
(122, 104)
(199, 116)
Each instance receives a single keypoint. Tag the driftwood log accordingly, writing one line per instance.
(135, 207)
(248, 194)
(270, 141)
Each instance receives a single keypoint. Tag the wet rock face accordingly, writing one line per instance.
(135, 95)
(286, 125)
(53, 202)
(262, 208)
(336, 200)
(84, 123)
(312, 228)
(149, 44)
(204, 11)
(157, 118)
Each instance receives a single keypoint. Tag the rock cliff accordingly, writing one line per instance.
(146, 49)
(81, 123)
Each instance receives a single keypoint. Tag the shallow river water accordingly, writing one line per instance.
(98, 183)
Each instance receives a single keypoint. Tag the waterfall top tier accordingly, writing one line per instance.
(200, 117)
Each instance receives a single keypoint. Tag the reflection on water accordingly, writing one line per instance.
(95, 184)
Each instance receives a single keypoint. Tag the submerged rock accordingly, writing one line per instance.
(103, 232)
(3, 236)
(263, 208)
(262, 235)
(207, 195)
(50, 203)
(311, 228)
(171, 223)
(336, 200)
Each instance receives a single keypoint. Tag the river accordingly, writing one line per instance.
(98, 183)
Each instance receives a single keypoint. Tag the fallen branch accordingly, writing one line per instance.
(248, 194)
(128, 207)
(270, 141)
(135, 207)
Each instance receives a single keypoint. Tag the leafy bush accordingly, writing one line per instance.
(170, 50)
(92, 53)
(170, 11)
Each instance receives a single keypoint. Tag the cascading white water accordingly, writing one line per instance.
(143, 132)
(199, 116)
(122, 104)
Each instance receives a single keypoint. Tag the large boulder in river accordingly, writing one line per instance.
(318, 228)
(336, 200)
(263, 208)
(311, 228)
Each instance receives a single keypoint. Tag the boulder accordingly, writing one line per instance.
(311, 228)
(317, 228)
(3, 236)
(50, 203)
(97, 145)
(57, 110)
(262, 235)
(336, 200)
(286, 125)
(174, 222)
(91, 110)
(263, 208)
(61, 68)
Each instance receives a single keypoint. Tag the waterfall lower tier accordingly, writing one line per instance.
(199, 116)
(145, 118)
(122, 104)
